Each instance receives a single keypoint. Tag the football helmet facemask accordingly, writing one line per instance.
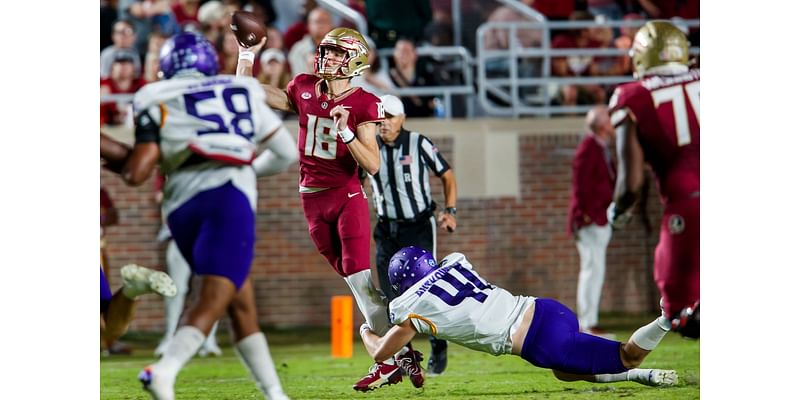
(356, 54)
(658, 43)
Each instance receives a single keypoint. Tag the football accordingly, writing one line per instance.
(247, 28)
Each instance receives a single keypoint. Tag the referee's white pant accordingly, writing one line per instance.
(592, 243)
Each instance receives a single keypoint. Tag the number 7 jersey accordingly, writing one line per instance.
(325, 160)
(454, 303)
(666, 110)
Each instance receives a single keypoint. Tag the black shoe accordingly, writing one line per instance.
(438, 360)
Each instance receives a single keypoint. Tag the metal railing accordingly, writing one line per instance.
(460, 60)
(342, 10)
(515, 94)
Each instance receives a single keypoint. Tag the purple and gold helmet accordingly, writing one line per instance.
(187, 52)
(408, 266)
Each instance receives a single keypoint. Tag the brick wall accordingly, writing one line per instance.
(519, 243)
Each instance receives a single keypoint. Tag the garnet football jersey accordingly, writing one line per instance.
(454, 303)
(666, 110)
(325, 160)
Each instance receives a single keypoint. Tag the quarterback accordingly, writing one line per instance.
(452, 302)
(338, 125)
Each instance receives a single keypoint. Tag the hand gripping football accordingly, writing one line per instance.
(248, 29)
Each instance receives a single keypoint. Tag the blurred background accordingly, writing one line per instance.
(501, 87)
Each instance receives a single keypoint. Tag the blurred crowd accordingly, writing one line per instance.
(132, 32)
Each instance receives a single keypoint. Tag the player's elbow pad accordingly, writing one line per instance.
(281, 152)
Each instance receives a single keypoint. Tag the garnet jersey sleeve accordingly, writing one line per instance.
(666, 112)
(370, 109)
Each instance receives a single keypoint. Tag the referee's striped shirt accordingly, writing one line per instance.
(401, 188)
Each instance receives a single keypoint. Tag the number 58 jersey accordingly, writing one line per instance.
(666, 110)
(207, 130)
(454, 303)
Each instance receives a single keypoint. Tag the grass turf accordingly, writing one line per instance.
(307, 371)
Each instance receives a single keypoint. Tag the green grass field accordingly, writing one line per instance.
(308, 372)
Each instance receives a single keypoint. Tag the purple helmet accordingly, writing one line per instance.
(187, 51)
(409, 265)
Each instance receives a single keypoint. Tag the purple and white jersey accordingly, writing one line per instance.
(455, 303)
(222, 118)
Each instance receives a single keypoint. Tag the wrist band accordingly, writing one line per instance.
(364, 327)
(347, 135)
(247, 55)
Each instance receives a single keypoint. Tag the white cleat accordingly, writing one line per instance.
(159, 387)
(659, 377)
(138, 280)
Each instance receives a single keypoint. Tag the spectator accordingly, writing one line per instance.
(148, 16)
(390, 20)
(288, 13)
(185, 12)
(593, 176)
(570, 94)
(554, 10)
(405, 73)
(151, 65)
(297, 31)
(319, 24)
(123, 37)
(607, 8)
(123, 80)
(213, 19)
(603, 35)
(273, 68)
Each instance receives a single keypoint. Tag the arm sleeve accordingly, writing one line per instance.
(432, 157)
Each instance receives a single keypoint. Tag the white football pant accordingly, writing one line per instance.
(592, 243)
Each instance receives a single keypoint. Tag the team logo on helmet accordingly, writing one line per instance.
(676, 224)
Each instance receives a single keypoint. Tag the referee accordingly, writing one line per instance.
(402, 195)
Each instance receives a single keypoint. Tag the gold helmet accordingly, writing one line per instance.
(658, 43)
(355, 59)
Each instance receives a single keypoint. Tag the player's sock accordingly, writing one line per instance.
(181, 348)
(648, 336)
(607, 378)
(254, 353)
(370, 302)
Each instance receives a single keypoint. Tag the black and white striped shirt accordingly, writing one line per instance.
(401, 188)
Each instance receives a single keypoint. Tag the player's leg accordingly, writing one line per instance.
(586, 276)
(251, 344)
(180, 272)
(554, 342)
(215, 231)
(677, 264)
(136, 281)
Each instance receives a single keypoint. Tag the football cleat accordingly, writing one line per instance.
(687, 323)
(410, 364)
(380, 374)
(159, 389)
(660, 377)
(138, 280)
(438, 361)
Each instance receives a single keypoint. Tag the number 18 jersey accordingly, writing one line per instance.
(325, 160)
(454, 303)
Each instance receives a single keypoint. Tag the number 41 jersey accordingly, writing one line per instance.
(454, 303)
(666, 110)
(325, 160)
